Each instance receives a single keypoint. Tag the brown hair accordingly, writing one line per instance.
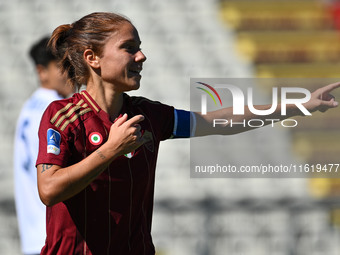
(68, 42)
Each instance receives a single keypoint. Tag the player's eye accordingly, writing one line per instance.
(132, 48)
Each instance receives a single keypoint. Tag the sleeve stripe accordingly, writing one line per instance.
(193, 124)
(174, 132)
(64, 109)
(70, 112)
(73, 119)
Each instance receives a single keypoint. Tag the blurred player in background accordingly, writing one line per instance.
(98, 149)
(31, 212)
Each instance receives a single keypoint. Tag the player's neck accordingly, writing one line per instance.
(108, 100)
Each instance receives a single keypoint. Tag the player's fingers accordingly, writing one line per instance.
(137, 127)
(326, 97)
(330, 104)
(330, 87)
(120, 120)
(135, 131)
(134, 120)
(329, 97)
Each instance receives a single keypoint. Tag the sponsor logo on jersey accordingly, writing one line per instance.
(53, 141)
(95, 138)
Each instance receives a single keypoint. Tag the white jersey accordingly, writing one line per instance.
(31, 212)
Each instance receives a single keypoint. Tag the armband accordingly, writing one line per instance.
(184, 124)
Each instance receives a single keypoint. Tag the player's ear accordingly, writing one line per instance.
(91, 58)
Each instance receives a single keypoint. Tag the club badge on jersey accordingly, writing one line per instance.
(95, 138)
(53, 141)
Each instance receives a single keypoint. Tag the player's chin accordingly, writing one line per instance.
(133, 85)
(136, 86)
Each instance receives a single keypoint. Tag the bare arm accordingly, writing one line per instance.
(321, 100)
(57, 184)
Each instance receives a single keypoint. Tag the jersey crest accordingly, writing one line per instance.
(95, 138)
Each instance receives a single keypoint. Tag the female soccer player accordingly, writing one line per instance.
(98, 149)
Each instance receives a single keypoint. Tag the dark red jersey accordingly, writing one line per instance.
(113, 214)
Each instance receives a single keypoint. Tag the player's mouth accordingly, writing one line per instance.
(135, 71)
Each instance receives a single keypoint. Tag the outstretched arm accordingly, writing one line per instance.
(321, 100)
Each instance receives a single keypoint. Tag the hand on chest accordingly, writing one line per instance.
(94, 133)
